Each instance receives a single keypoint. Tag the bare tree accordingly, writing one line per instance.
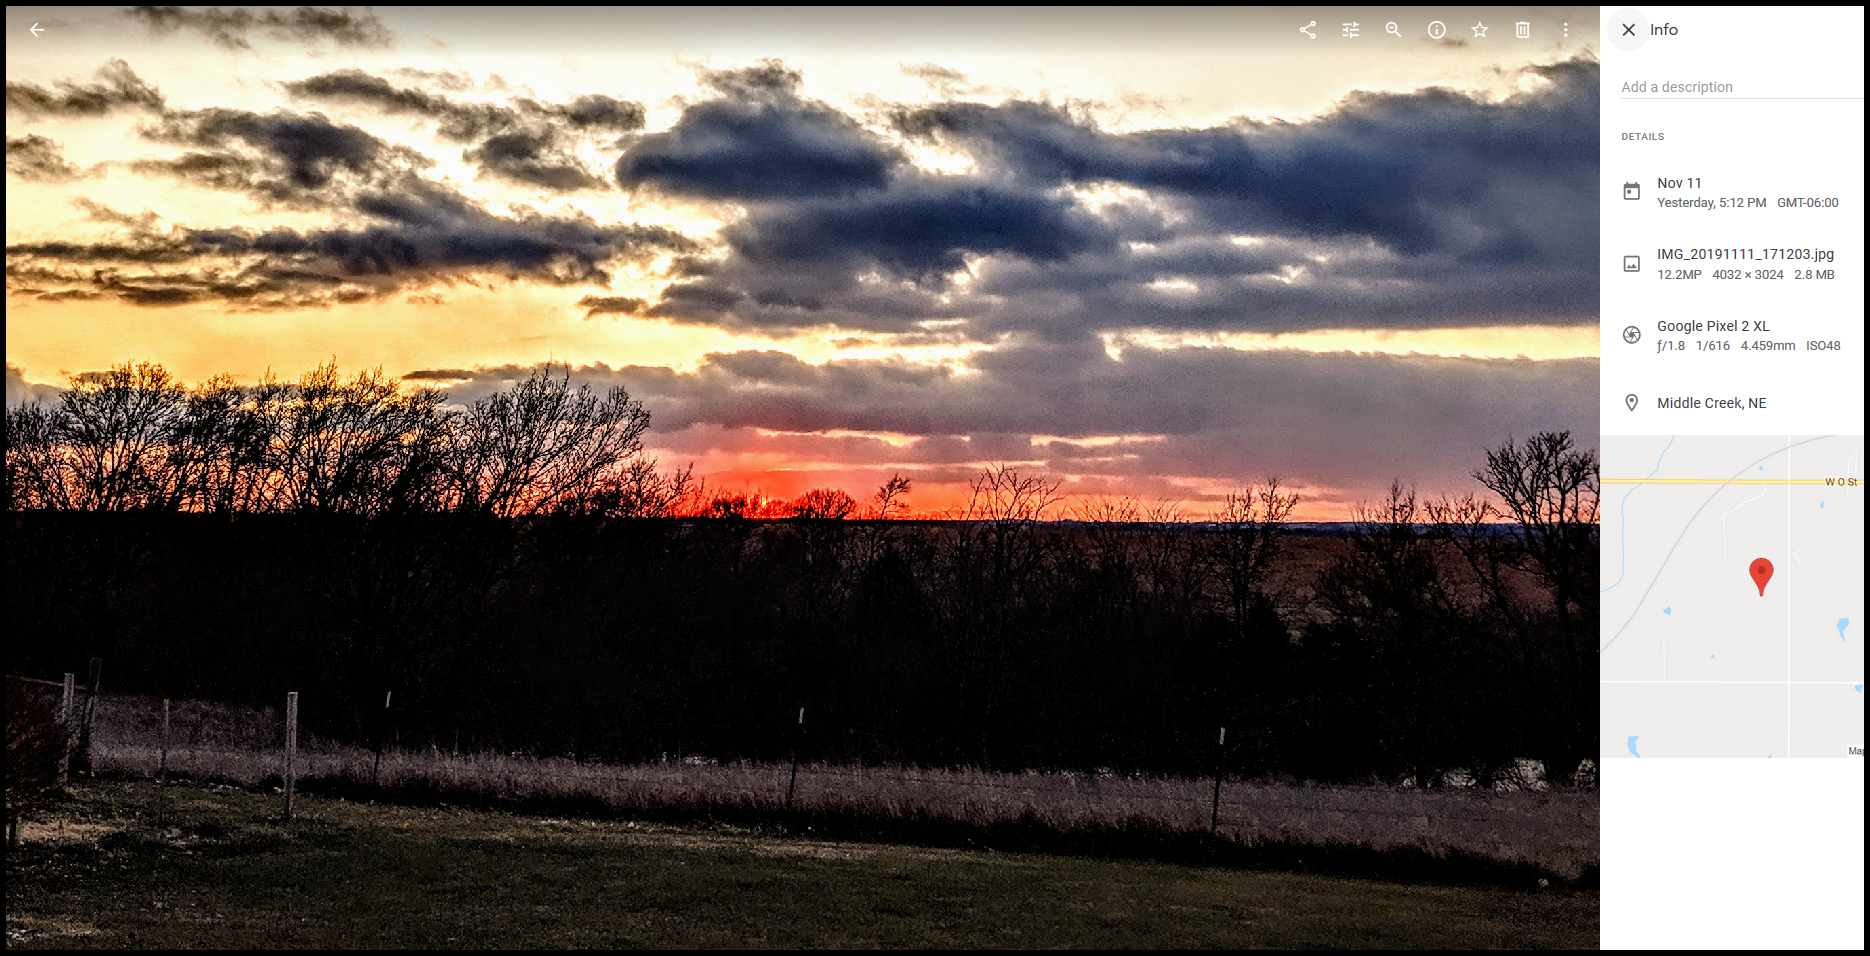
(1109, 533)
(872, 539)
(823, 503)
(730, 504)
(358, 446)
(544, 446)
(112, 433)
(1244, 541)
(1389, 593)
(995, 569)
(35, 471)
(641, 491)
(218, 449)
(1550, 491)
(889, 499)
(1002, 496)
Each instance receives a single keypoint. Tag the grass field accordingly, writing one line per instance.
(134, 865)
(1552, 831)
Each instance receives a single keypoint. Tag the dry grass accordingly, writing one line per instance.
(1552, 830)
(63, 831)
(215, 867)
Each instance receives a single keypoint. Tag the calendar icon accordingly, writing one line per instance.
(1632, 191)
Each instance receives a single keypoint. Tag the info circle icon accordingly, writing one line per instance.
(1437, 30)
(1631, 334)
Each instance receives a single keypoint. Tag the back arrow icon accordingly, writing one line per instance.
(1307, 29)
(35, 31)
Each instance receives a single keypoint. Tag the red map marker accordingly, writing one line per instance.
(1762, 571)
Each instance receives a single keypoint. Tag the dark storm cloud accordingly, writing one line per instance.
(923, 229)
(1395, 210)
(307, 160)
(395, 227)
(304, 160)
(533, 159)
(230, 28)
(353, 85)
(465, 121)
(281, 156)
(1429, 209)
(934, 73)
(599, 112)
(423, 234)
(760, 141)
(767, 78)
(35, 158)
(841, 261)
(1341, 419)
(117, 88)
(596, 305)
(440, 375)
(525, 142)
(1430, 171)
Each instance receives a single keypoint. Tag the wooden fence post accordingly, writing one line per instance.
(800, 732)
(1220, 751)
(292, 746)
(162, 768)
(90, 715)
(64, 723)
(376, 768)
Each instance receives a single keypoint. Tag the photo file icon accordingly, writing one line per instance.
(1632, 191)
(1632, 263)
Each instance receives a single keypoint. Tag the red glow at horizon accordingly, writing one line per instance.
(928, 499)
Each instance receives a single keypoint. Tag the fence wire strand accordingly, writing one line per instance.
(218, 743)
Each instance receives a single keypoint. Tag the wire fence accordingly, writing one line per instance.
(218, 743)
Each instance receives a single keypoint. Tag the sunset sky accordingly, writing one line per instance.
(1156, 252)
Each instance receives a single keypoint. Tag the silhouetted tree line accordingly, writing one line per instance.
(524, 579)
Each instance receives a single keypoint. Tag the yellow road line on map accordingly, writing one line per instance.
(1721, 481)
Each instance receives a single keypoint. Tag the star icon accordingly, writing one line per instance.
(1480, 29)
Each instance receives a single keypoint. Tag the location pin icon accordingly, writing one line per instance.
(1630, 401)
(1762, 572)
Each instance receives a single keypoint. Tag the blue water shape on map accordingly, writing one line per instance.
(1860, 688)
(1631, 743)
(1669, 611)
(1843, 622)
(1623, 517)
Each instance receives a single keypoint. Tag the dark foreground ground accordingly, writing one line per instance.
(133, 865)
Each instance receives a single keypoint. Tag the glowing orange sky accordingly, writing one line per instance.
(1135, 70)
